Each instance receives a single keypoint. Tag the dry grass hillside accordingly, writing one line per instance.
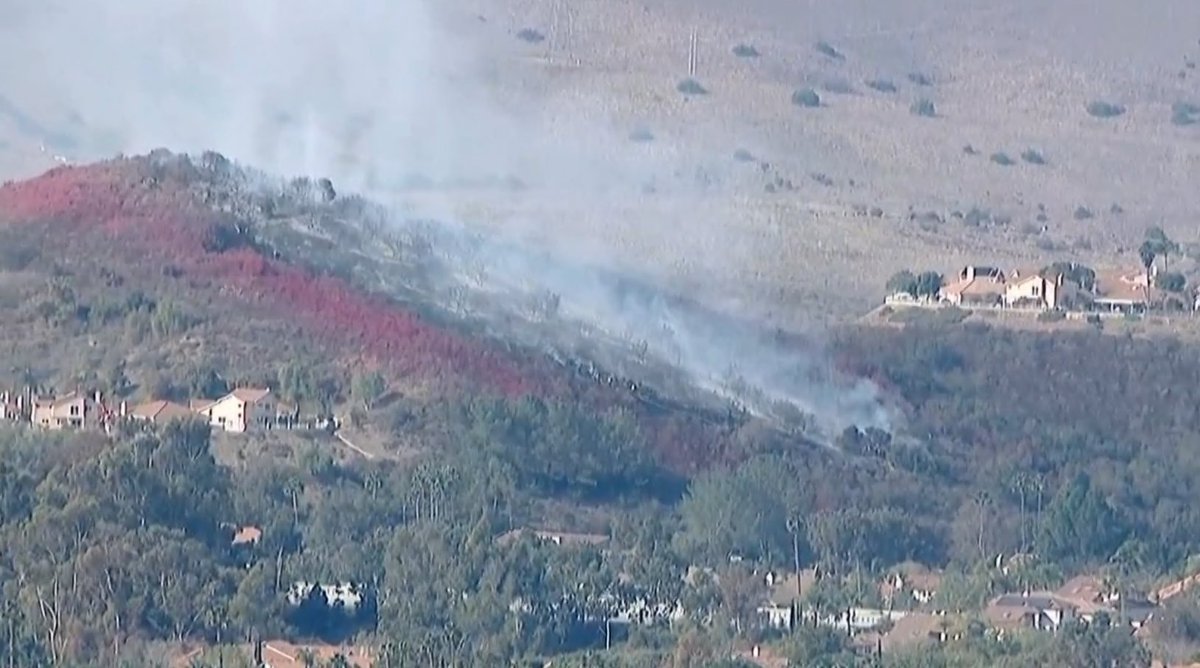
(1011, 79)
(802, 211)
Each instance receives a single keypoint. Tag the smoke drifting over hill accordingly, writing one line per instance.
(373, 94)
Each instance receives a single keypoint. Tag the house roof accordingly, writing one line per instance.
(1123, 287)
(161, 410)
(250, 394)
(1009, 611)
(200, 404)
(913, 628)
(56, 401)
(784, 591)
(1087, 588)
(979, 286)
(247, 535)
(918, 576)
(560, 537)
(280, 654)
(1041, 600)
(572, 538)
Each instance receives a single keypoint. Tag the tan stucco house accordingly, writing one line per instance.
(975, 286)
(1032, 288)
(72, 411)
(988, 286)
(244, 409)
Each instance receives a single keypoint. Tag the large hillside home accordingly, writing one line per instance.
(975, 286)
(71, 411)
(1031, 288)
(1124, 291)
(244, 409)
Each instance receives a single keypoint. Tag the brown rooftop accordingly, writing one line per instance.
(1123, 286)
(784, 590)
(161, 410)
(557, 537)
(250, 394)
(915, 628)
(976, 286)
(247, 536)
(280, 654)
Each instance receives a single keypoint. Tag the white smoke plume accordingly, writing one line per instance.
(372, 93)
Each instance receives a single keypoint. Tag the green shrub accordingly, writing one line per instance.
(1083, 213)
(530, 35)
(1033, 157)
(923, 107)
(1002, 159)
(742, 155)
(1171, 281)
(745, 51)
(827, 50)
(882, 85)
(838, 86)
(920, 79)
(1185, 113)
(691, 87)
(1101, 109)
(806, 97)
(641, 136)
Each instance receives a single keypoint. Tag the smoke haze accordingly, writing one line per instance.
(373, 94)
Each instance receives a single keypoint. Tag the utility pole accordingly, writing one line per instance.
(693, 40)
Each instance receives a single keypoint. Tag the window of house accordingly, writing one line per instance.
(74, 410)
(1036, 290)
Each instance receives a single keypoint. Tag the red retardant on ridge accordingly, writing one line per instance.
(130, 200)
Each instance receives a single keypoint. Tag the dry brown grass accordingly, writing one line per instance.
(991, 92)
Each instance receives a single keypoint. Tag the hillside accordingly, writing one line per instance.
(164, 275)
(560, 303)
(584, 111)
(90, 252)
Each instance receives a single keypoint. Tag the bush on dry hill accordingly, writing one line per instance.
(531, 36)
(1033, 157)
(826, 49)
(882, 85)
(920, 79)
(641, 136)
(806, 97)
(691, 87)
(1185, 113)
(745, 51)
(923, 107)
(1002, 159)
(1101, 109)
